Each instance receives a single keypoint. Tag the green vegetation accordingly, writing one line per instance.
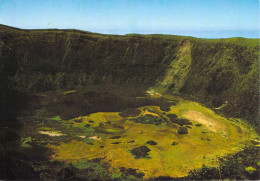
(182, 130)
(215, 71)
(130, 113)
(69, 92)
(149, 119)
(57, 118)
(140, 152)
(240, 166)
(226, 71)
(85, 164)
(151, 142)
(153, 148)
(250, 169)
(26, 141)
(174, 119)
(73, 101)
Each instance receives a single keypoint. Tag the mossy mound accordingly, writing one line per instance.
(116, 143)
(205, 139)
(140, 152)
(172, 116)
(108, 129)
(78, 120)
(131, 171)
(151, 142)
(87, 125)
(130, 113)
(165, 108)
(174, 143)
(182, 130)
(115, 137)
(149, 119)
(174, 119)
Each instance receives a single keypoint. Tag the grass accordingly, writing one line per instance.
(250, 169)
(201, 146)
(69, 92)
(215, 70)
(26, 141)
(57, 118)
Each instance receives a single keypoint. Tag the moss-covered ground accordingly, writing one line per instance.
(146, 139)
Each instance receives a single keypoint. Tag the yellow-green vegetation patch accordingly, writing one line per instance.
(152, 142)
(45, 129)
(26, 141)
(250, 169)
(69, 92)
(101, 117)
(56, 118)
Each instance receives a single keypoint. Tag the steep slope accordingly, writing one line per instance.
(222, 73)
(225, 73)
(47, 60)
(72, 101)
(176, 73)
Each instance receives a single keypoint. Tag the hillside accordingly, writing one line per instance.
(77, 105)
(214, 71)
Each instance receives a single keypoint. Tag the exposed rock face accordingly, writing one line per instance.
(215, 71)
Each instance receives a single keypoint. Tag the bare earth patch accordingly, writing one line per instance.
(51, 133)
(212, 125)
(94, 138)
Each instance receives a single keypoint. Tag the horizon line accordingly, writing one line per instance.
(151, 33)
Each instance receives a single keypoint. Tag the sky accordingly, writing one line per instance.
(199, 18)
